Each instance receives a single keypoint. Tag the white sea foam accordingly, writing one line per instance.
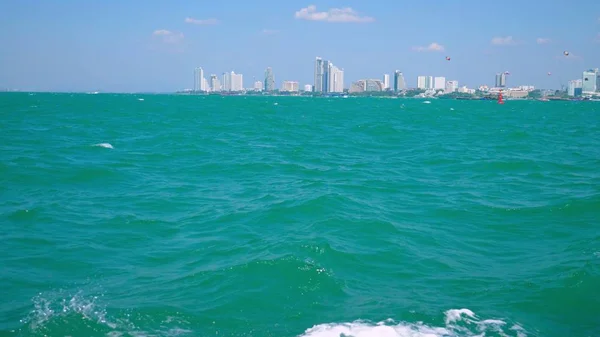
(104, 145)
(458, 322)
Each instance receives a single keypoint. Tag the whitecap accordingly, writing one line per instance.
(140, 99)
(458, 322)
(104, 145)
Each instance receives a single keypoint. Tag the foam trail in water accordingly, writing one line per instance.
(104, 145)
(459, 322)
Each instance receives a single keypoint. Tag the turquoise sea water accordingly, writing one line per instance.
(317, 217)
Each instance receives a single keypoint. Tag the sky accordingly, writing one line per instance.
(154, 46)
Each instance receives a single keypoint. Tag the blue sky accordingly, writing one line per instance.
(152, 45)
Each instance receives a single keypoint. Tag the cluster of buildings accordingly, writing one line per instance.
(228, 82)
(329, 79)
(587, 86)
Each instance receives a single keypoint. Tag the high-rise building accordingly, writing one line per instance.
(590, 81)
(386, 81)
(258, 85)
(319, 73)
(451, 86)
(290, 86)
(422, 82)
(236, 82)
(439, 83)
(204, 86)
(500, 80)
(399, 83)
(573, 86)
(226, 82)
(199, 80)
(335, 78)
(429, 82)
(215, 84)
(307, 87)
(328, 78)
(269, 80)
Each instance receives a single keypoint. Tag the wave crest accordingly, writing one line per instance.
(458, 322)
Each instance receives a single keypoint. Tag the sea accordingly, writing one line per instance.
(182, 215)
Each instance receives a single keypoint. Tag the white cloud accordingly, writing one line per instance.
(542, 40)
(432, 47)
(168, 36)
(346, 14)
(270, 31)
(202, 21)
(503, 41)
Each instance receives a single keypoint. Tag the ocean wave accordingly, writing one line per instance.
(458, 322)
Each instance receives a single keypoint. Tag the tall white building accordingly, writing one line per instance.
(328, 78)
(421, 82)
(590, 81)
(199, 80)
(307, 87)
(439, 83)
(258, 86)
(386, 81)
(215, 84)
(426, 82)
(429, 82)
(451, 86)
(575, 84)
(399, 83)
(233, 82)
(226, 82)
(500, 80)
(336, 79)
(290, 86)
(237, 82)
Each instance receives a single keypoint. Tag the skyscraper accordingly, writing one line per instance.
(386, 81)
(439, 83)
(226, 82)
(590, 81)
(335, 78)
(428, 82)
(237, 82)
(319, 72)
(215, 85)
(199, 80)
(269, 80)
(500, 80)
(328, 78)
(258, 85)
(399, 83)
(422, 82)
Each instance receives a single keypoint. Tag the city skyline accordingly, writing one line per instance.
(88, 46)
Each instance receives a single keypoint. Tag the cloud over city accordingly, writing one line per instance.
(432, 47)
(503, 41)
(168, 36)
(345, 14)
